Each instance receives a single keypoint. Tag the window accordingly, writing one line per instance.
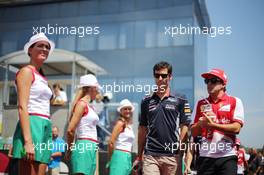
(108, 37)
(184, 36)
(145, 34)
(150, 34)
(87, 43)
(126, 38)
(67, 43)
(8, 43)
(164, 40)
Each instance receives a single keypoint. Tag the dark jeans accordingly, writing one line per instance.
(217, 166)
(13, 167)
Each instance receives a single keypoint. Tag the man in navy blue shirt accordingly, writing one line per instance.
(163, 125)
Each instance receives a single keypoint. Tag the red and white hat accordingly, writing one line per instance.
(216, 72)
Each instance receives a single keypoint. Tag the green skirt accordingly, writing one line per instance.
(41, 137)
(83, 157)
(120, 163)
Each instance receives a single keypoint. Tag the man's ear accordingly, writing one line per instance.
(224, 87)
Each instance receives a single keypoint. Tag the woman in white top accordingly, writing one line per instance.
(82, 124)
(121, 141)
(33, 131)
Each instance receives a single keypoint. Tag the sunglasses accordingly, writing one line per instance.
(156, 75)
(213, 80)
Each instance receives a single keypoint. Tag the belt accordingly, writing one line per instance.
(124, 150)
(93, 140)
(40, 115)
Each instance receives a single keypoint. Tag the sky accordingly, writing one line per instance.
(241, 55)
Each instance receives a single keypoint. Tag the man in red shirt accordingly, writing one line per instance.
(218, 119)
(241, 159)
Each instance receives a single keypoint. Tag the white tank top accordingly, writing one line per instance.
(125, 139)
(86, 128)
(39, 97)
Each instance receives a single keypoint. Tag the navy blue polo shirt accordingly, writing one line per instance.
(163, 118)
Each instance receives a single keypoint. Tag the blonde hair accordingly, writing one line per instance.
(79, 94)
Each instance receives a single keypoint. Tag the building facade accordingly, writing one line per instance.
(125, 37)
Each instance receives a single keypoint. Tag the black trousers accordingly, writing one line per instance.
(217, 166)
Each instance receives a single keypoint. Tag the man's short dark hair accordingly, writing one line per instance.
(54, 126)
(162, 65)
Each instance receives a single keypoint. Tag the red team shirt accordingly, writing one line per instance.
(228, 110)
(240, 162)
